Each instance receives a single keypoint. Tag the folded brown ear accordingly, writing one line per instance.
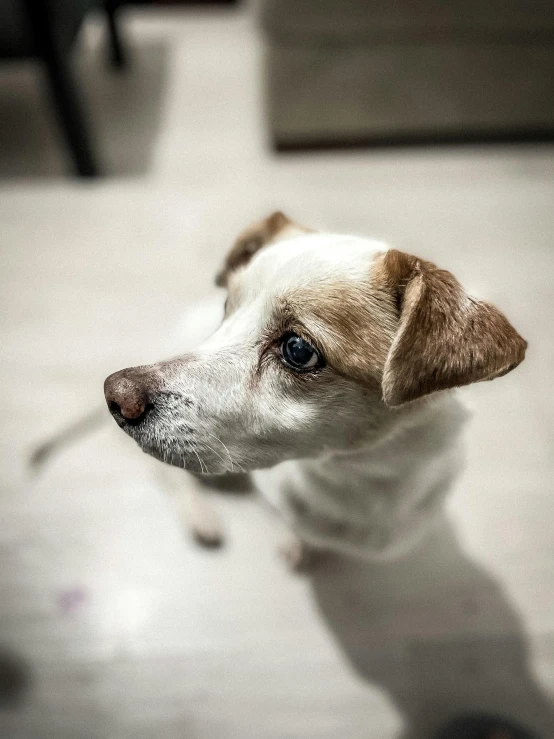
(445, 338)
(271, 229)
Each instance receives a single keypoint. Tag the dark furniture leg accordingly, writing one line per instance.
(71, 116)
(117, 54)
(64, 90)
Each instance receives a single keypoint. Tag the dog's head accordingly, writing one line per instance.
(323, 338)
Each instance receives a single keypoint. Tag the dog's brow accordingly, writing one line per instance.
(280, 320)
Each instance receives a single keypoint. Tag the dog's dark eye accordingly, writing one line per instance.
(299, 354)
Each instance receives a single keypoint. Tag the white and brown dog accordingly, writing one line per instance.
(327, 376)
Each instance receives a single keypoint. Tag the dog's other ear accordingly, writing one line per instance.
(445, 338)
(273, 228)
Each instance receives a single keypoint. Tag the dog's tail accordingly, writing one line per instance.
(67, 436)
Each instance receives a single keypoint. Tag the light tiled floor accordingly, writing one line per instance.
(112, 623)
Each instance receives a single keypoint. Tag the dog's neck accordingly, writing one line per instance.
(414, 435)
(375, 498)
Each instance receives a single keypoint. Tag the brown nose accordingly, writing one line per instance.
(127, 396)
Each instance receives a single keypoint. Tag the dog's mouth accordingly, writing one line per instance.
(179, 449)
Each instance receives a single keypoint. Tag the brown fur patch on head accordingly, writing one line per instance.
(410, 329)
(353, 324)
(445, 338)
(275, 227)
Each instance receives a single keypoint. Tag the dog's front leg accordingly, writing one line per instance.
(195, 512)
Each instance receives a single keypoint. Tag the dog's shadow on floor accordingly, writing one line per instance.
(437, 633)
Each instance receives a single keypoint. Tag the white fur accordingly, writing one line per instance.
(307, 260)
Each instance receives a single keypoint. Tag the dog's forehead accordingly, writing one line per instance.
(307, 260)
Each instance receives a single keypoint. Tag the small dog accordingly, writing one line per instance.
(328, 379)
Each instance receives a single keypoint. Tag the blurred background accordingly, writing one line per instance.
(136, 141)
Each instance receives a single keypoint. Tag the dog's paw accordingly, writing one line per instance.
(201, 519)
(207, 533)
(297, 555)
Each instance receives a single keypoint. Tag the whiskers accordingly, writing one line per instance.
(178, 445)
(234, 466)
(231, 461)
(203, 467)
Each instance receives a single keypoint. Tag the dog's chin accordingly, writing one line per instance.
(161, 455)
(199, 458)
(186, 459)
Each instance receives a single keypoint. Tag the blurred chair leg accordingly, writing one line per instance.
(117, 53)
(71, 115)
(63, 87)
